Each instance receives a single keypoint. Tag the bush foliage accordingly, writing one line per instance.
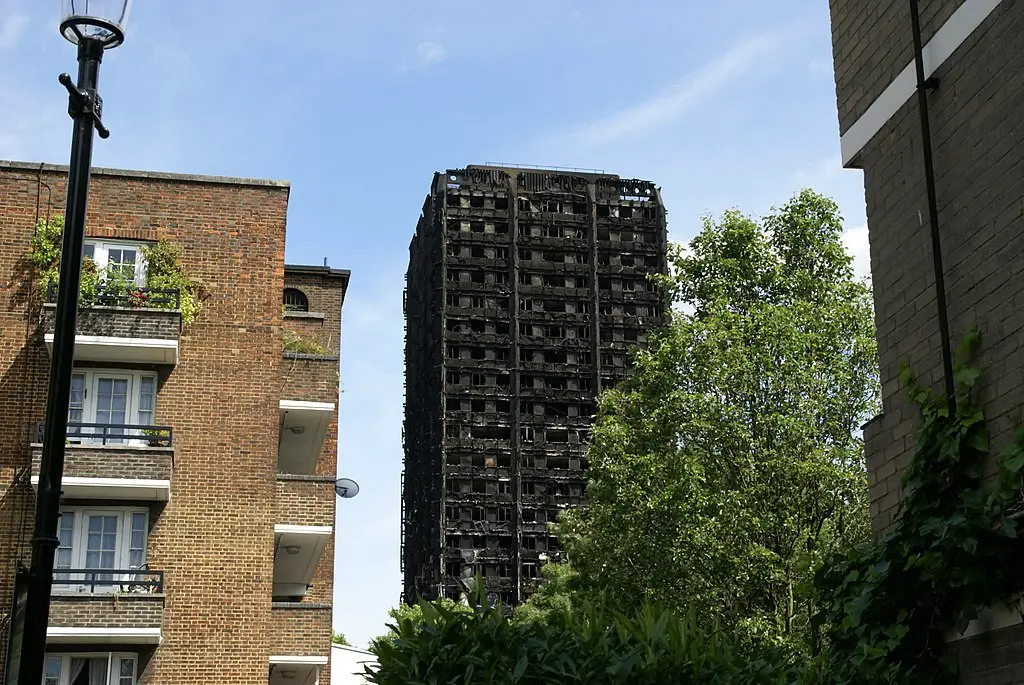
(592, 644)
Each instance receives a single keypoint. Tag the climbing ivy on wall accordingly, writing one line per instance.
(891, 605)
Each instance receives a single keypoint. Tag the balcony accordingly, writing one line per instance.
(300, 641)
(137, 327)
(303, 427)
(297, 552)
(113, 462)
(106, 606)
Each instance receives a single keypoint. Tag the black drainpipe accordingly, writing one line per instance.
(923, 86)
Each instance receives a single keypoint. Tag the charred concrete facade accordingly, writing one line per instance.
(975, 51)
(526, 290)
(201, 453)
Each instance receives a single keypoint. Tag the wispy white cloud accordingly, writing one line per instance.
(675, 101)
(428, 53)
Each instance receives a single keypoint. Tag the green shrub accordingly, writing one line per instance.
(594, 644)
(296, 344)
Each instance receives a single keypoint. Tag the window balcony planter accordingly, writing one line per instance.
(113, 462)
(106, 607)
(140, 325)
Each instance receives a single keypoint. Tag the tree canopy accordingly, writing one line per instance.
(729, 465)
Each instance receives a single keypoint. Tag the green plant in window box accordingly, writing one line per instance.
(157, 436)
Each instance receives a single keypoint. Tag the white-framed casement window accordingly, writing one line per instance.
(104, 402)
(91, 668)
(118, 256)
(99, 547)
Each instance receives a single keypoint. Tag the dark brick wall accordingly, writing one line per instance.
(979, 182)
(142, 463)
(872, 44)
(121, 322)
(127, 610)
(975, 121)
(994, 658)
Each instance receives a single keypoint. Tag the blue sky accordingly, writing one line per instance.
(725, 104)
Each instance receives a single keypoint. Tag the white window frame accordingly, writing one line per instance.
(101, 256)
(79, 544)
(91, 391)
(113, 665)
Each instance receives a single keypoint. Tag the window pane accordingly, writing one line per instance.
(101, 544)
(112, 404)
(89, 250)
(147, 398)
(137, 542)
(122, 262)
(126, 673)
(65, 535)
(51, 673)
(77, 405)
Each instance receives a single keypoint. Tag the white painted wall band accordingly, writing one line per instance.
(968, 17)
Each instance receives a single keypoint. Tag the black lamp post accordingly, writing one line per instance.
(93, 26)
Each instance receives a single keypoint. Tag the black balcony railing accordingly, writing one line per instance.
(114, 434)
(137, 298)
(92, 580)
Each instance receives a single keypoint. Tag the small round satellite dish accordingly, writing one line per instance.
(346, 488)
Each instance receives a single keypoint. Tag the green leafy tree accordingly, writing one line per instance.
(729, 465)
(340, 639)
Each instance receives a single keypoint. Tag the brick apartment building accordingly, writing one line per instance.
(975, 48)
(526, 290)
(201, 450)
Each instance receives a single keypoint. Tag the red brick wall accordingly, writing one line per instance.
(214, 539)
(305, 501)
(107, 611)
(146, 463)
(307, 630)
(296, 626)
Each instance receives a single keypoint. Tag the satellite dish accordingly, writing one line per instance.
(346, 488)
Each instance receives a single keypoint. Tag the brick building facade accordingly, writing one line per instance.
(526, 290)
(201, 457)
(970, 46)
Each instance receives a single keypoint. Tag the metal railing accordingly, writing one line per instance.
(114, 434)
(138, 298)
(88, 580)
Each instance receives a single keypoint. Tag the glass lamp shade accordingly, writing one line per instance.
(102, 20)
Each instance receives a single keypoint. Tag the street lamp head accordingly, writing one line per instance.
(101, 20)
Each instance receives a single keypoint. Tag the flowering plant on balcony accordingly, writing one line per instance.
(137, 298)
